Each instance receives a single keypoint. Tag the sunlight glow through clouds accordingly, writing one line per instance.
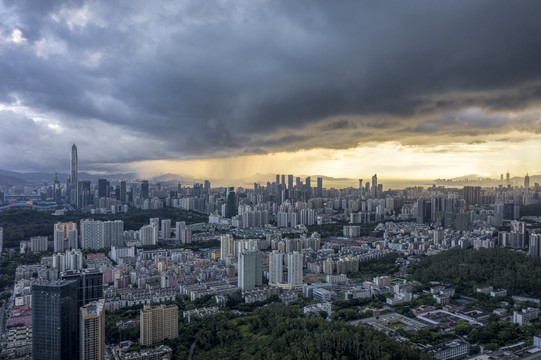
(389, 160)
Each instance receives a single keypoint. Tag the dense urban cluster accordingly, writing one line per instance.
(353, 254)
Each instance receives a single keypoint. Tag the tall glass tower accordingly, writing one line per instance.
(54, 320)
(74, 196)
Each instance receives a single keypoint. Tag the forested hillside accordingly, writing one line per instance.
(499, 267)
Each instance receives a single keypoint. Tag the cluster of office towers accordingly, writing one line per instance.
(79, 192)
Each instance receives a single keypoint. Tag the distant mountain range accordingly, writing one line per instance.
(33, 178)
(20, 178)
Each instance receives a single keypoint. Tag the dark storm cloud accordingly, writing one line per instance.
(206, 78)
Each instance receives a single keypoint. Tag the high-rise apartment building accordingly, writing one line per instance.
(97, 234)
(158, 323)
(250, 269)
(54, 320)
(92, 331)
(294, 269)
(66, 236)
(166, 228)
(183, 233)
(534, 250)
(227, 246)
(39, 243)
(148, 235)
(276, 260)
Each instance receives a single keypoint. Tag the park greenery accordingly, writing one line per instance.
(269, 330)
(465, 270)
(280, 332)
(376, 267)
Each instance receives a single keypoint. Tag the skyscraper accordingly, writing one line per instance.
(1, 240)
(375, 186)
(527, 182)
(144, 189)
(123, 192)
(420, 210)
(89, 285)
(231, 203)
(92, 331)
(74, 195)
(83, 193)
(290, 182)
(57, 190)
(319, 186)
(54, 320)
(308, 188)
(103, 185)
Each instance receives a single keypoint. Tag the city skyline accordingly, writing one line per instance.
(437, 90)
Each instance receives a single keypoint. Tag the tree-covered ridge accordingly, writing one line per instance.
(280, 332)
(498, 267)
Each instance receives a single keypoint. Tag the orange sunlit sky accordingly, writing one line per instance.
(389, 160)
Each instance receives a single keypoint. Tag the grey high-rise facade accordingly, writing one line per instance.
(250, 269)
(231, 203)
(294, 269)
(276, 259)
(103, 188)
(319, 186)
(145, 193)
(55, 320)
(290, 182)
(123, 192)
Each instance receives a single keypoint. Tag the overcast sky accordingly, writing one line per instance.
(400, 87)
